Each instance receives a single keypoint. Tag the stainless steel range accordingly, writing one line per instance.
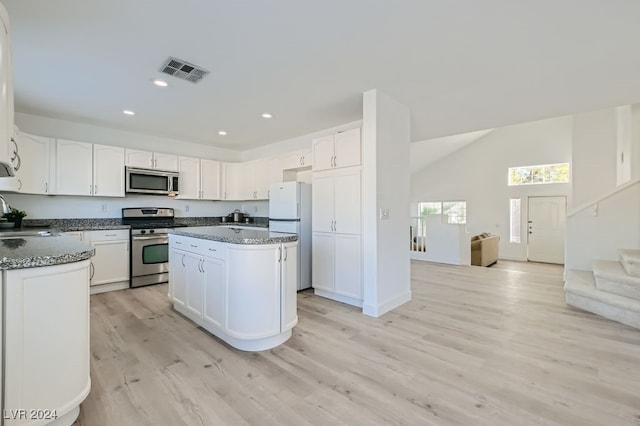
(149, 243)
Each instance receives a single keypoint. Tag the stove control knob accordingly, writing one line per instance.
(151, 231)
(143, 232)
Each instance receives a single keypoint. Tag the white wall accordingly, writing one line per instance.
(599, 234)
(594, 155)
(605, 217)
(386, 142)
(445, 242)
(478, 175)
(71, 207)
(54, 128)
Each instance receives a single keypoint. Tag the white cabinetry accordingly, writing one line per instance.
(232, 181)
(46, 342)
(110, 265)
(197, 279)
(338, 150)
(33, 166)
(74, 168)
(336, 224)
(87, 169)
(199, 179)
(297, 160)
(255, 180)
(151, 160)
(6, 83)
(108, 171)
(250, 180)
(249, 308)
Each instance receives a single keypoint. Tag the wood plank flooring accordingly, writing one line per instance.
(487, 346)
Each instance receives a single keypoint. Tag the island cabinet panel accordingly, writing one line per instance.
(289, 286)
(178, 277)
(253, 292)
(215, 307)
(195, 284)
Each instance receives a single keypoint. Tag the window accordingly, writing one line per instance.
(456, 211)
(534, 175)
(514, 221)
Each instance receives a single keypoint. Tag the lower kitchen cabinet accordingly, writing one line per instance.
(110, 265)
(336, 269)
(46, 343)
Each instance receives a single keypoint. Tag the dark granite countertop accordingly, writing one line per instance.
(235, 235)
(97, 224)
(22, 251)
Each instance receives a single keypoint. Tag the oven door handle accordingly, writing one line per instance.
(159, 237)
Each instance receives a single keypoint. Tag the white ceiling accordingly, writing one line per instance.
(459, 65)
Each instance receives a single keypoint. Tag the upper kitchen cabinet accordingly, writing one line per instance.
(209, 179)
(87, 169)
(297, 160)
(74, 168)
(339, 150)
(199, 179)
(6, 83)
(232, 182)
(151, 160)
(258, 187)
(33, 163)
(108, 171)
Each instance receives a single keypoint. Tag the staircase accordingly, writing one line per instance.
(612, 290)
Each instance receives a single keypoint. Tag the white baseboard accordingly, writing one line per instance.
(338, 298)
(394, 302)
(102, 288)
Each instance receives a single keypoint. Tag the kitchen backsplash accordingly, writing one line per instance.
(64, 206)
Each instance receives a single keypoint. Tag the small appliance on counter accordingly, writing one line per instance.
(236, 217)
(290, 212)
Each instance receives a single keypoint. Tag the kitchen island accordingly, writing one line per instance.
(238, 284)
(45, 344)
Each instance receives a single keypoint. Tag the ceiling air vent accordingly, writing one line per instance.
(183, 69)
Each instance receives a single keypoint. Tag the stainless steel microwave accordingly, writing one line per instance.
(149, 181)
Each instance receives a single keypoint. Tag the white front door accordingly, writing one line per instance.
(546, 225)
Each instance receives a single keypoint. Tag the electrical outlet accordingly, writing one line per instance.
(186, 208)
(384, 214)
(103, 207)
(255, 209)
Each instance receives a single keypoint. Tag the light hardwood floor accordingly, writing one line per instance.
(491, 346)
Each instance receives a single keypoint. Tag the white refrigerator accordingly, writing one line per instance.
(290, 212)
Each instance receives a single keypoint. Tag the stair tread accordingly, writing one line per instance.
(630, 259)
(583, 283)
(613, 270)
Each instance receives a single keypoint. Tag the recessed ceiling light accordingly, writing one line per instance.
(222, 133)
(266, 115)
(160, 83)
(128, 112)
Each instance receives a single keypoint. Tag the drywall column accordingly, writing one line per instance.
(385, 200)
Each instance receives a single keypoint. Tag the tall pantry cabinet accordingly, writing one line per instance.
(337, 217)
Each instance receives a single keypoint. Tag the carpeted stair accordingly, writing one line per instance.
(612, 290)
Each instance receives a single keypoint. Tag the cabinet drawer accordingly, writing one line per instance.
(198, 246)
(109, 235)
(213, 249)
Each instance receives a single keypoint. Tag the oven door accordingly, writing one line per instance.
(149, 255)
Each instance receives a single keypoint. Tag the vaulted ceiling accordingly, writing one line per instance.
(459, 65)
